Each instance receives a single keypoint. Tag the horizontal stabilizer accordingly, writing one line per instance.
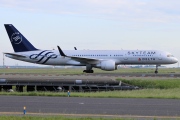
(15, 55)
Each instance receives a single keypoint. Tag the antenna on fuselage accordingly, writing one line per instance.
(75, 48)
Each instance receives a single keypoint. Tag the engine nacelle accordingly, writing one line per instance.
(108, 65)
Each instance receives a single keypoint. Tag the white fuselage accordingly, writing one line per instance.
(52, 57)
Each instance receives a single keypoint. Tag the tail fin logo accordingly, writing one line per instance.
(16, 38)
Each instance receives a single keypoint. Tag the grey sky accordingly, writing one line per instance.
(93, 24)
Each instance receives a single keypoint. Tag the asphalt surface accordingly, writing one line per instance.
(107, 77)
(90, 106)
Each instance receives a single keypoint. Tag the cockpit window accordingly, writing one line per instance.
(169, 55)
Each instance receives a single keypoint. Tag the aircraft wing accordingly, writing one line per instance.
(15, 55)
(80, 59)
(85, 60)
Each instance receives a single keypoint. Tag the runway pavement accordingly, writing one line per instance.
(107, 77)
(169, 108)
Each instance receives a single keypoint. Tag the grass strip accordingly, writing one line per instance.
(80, 70)
(153, 83)
(54, 118)
(143, 93)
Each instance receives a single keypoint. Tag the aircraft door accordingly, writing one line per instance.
(125, 57)
(160, 57)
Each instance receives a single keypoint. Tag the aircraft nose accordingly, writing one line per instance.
(175, 60)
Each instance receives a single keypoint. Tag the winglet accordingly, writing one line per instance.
(61, 52)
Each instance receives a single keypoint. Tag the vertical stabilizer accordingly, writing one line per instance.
(18, 41)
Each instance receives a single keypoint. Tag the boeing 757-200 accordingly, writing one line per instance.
(102, 59)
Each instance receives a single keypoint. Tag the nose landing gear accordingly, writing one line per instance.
(156, 70)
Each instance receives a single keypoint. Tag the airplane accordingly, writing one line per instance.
(103, 59)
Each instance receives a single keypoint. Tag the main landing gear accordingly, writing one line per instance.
(156, 70)
(88, 69)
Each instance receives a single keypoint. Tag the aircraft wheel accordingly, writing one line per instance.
(88, 71)
(91, 71)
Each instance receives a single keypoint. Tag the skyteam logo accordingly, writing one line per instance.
(16, 38)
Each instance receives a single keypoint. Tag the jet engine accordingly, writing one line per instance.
(108, 65)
